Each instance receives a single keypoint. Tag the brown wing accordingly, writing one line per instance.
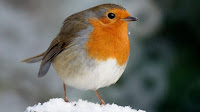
(67, 33)
(54, 49)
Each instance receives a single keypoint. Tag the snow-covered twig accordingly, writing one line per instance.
(59, 105)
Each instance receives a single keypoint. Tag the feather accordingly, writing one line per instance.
(34, 59)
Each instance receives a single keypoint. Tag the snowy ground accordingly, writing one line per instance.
(59, 105)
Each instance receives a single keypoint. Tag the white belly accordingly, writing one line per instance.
(87, 74)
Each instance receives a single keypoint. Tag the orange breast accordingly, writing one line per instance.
(108, 41)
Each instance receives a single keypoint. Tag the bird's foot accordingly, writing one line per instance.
(102, 102)
(66, 100)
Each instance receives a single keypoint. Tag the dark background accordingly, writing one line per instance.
(163, 73)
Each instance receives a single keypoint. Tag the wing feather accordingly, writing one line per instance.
(68, 32)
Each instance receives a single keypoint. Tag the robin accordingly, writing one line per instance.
(91, 50)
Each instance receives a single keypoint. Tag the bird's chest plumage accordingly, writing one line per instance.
(109, 41)
(90, 63)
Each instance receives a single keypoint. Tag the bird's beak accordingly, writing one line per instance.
(129, 19)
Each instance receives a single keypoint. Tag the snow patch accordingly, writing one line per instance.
(59, 105)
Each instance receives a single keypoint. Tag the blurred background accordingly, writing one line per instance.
(163, 73)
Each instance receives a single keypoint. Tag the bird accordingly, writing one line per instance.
(91, 50)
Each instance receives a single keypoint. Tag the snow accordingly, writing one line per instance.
(59, 105)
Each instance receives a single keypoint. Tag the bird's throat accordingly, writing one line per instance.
(109, 41)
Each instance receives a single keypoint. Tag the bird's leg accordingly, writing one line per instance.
(66, 100)
(101, 100)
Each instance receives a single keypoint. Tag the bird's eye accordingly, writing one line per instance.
(111, 15)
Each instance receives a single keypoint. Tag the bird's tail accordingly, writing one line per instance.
(34, 59)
